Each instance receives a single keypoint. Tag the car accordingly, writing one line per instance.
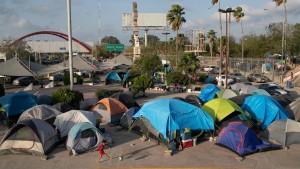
(273, 89)
(256, 77)
(25, 81)
(208, 68)
(238, 77)
(223, 79)
(57, 77)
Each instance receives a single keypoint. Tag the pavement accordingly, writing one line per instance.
(149, 154)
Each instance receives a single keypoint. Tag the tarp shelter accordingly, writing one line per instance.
(44, 99)
(167, 115)
(194, 100)
(63, 107)
(32, 136)
(264, 109)
(112, 77)
(208, 92)
(239, 100)
(126, 99)
(247, 89)
(9, 68)
(260, 92)
(109, 110)
(83, 137)
(16, 103)
(127, 118)
(65, 121)
(227, 93)
(285, 132)
(220, 108)
(43, 112)
(119, 60)
(237, 86)
(80, 63)
(242, 140)
(294, 109)
(283, 99)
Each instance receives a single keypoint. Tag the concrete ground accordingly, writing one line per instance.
(139, 154)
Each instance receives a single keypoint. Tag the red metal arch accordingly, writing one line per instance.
(58, 34)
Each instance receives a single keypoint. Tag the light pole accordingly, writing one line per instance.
(165, 79)
(227, 11)
(70, 44)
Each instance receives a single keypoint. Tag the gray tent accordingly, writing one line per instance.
(43, 112)
(9, 68)
(284, 131)
(64, 122)
(32, 136)
(44, 99)
(83, 137)
(294, 109)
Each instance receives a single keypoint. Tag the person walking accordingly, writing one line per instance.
(101, 150)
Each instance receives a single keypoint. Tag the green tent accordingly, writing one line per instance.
(220, 108)
(227, 93)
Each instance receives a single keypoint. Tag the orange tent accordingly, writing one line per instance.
(109, 110)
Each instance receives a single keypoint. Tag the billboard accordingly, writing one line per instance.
(145, 20)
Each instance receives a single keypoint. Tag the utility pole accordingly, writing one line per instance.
(70, 44)
(136, 48)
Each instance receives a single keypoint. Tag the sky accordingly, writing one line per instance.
(21, 17)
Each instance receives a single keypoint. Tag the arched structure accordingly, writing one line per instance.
(58, 34)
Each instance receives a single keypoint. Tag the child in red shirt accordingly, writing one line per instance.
(101, 151)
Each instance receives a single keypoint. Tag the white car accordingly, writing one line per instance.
(208, 68)
(223, 79)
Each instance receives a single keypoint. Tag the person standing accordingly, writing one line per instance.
(101, 151)
(292, 76)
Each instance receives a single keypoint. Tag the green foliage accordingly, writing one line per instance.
(147, 64)
(201, 77)
(65, 95)
(189, 63)
(142, 82)
(2, 90)
(67, 79)
(178, 78)
(102, 93)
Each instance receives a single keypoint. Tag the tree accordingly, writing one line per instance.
(141, 83)
(19, 49)
(147, 64)
(189, 63)
(176, 19)
(110, 40)
(211, 39)
(238, 15)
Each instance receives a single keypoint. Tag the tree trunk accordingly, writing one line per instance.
(177, 48)
(242, 41)
(221, 51)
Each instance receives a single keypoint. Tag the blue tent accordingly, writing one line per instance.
(264, 109)
(208, 92)
(167, 115)
(242, 140)
(112, 77)
(16, 103)
(127, 118)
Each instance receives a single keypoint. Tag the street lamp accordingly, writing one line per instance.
(227, 11)
(166, 33)
(70, 44)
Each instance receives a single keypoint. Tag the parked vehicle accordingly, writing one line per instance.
(238, 77)
(223, 79)
(273, 89)
(208, 68)
(25, 80)
(256, 77)
(57, 77)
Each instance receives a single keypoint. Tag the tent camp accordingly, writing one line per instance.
(294, 109)
(112, 77)
(43, 112)
(109, 110)
(127, 117)
(227, 93)
(237, 86)
(126, 99)
(208, 92)
(285, 132)
(83, 137)
(168, 115)
(260, 92)
(247, 89)
(242, 140)
(239, 100)
(16, 103)
(62, 107)
(44, 99)
(32, 136)
(65, 121)
(264, 109)
(194, 100)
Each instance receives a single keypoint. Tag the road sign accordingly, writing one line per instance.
(114, 47)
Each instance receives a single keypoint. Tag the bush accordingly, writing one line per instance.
(67, 79)
(65, 95)
(2, 90)
(178, 78)
(102, 93)
(202, 77)
(141, 83)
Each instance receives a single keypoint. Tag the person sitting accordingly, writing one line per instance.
(187, 140)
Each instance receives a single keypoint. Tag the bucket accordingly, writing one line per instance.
(194, 141)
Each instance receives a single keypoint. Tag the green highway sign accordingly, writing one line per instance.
(114, 47)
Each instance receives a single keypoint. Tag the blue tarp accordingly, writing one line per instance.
(113, 76)
(15, 104)
(264, 109)
(241, 139)
(171, 114)
(208, 92)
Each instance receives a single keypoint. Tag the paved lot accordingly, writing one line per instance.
(139, 154)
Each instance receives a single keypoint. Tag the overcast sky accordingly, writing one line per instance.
(21, 17)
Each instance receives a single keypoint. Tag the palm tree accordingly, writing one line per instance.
(212, 37)
(238, 15)
(176, 19)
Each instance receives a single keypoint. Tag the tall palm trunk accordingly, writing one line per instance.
(177, 48)
(221, 51)
(285, 34)
(242, 41)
